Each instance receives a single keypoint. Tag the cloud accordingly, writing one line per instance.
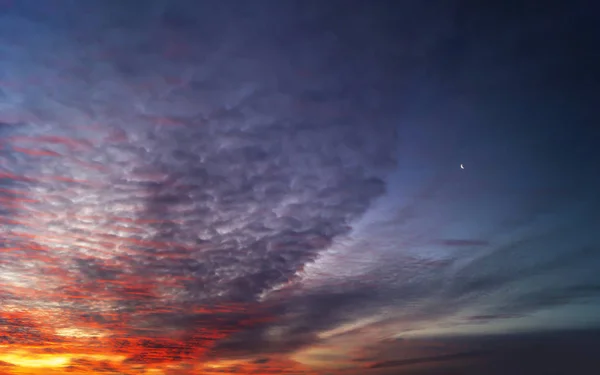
(465, 242)
(537, 353)
(159, 186)
(491, 317)
(428, 360)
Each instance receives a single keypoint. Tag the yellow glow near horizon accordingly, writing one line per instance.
(78, 333)
(24, 359)
(223, 363)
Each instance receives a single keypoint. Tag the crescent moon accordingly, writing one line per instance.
(462, 166)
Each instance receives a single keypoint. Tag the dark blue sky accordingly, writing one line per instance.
(276, 186)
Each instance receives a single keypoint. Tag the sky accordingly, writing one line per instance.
(298, 187)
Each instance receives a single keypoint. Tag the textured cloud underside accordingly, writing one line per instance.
(168, 169)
